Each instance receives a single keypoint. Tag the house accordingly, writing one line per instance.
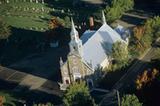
(89, 52)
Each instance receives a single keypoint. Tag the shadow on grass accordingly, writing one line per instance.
(20, 44)
(25, 47)
(79, 11)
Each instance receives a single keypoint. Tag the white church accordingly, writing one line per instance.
(90, 51)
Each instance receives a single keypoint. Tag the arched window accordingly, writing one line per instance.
(74, 47)
(67, 81)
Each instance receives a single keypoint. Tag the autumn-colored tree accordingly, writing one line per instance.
(138, 32)
(145, 78)
(56, 30)
(2, 98)
(54, 23)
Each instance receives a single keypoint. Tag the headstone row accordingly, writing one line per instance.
(31, 1)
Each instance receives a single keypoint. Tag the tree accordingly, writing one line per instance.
(130, 100)
(141, 40)
(116, 9)
(119, 55)
(152, 27)
(77, 94)
(6, 99)
(57, 30)
(145, 78)
(5, 30)
(54, 23)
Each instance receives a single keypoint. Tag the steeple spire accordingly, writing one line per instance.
(103, 18)
(61, 61)
(74, 32)
(75, 44)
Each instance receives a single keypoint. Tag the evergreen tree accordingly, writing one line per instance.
(78, 94)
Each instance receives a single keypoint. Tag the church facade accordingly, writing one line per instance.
(89, 52)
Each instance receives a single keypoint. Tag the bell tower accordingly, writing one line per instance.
(75, 44)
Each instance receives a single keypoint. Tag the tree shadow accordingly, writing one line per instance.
(24, 95)
(112, 77)
(21, 43)
(132, 20)
(28, 51)
(79, 11)
(147, 6)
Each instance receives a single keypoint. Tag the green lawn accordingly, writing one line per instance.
(26, 15)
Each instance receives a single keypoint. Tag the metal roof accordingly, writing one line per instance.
(97, 44)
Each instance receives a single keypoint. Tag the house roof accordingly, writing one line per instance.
(98, 44)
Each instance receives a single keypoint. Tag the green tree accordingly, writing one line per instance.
(4, 30)
(116, 9)
(152, 27)
(119, 55)
(78, 94)
(130, 100)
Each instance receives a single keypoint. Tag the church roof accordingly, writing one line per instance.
(97, 45)
(86, 35)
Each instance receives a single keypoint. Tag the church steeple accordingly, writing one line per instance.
(75, 44)
(74, 32)
(103, 18)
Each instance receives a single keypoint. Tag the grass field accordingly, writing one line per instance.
(32, 16)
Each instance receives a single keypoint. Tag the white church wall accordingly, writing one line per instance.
(105, 63)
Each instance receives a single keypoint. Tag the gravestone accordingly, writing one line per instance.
(36, 1)
(33, 8)
(7, 1)
(24, 9)
(0, 2)
(41, 16)
(36, 28)
(62, 11)
(42, 1)
(31, 1)
(42, 9)
(27, 8)
(42, 29)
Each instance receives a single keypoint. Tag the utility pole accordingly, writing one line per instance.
(119, 101)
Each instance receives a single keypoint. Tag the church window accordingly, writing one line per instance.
(74, 47)
(77, 80)
(67, 81)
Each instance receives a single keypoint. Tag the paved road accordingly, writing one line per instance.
(30, 81)
(134, 70)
